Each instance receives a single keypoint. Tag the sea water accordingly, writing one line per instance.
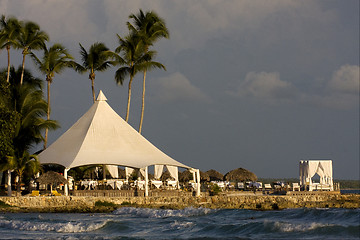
(189, 223)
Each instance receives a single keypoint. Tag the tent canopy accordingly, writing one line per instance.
(101, 136)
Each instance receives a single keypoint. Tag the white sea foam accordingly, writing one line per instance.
(301, 227)
(69, 227)
(181, 225)
(162, 213)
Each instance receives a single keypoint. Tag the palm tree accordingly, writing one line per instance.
(26, 100)
(31, 106)
(54, 60)
(31, 38)
(133, 59)
(97, 59)
(150, 28)
(25, 163)
(10, 31)
(131, 53)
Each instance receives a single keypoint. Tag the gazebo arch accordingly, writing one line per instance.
(308, 168)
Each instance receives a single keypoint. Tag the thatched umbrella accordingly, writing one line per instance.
(215, 175)
(185, 176)
(240, 175)
(52, 178)
(204, 177)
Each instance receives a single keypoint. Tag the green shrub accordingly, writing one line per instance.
(104, 204)
(3, 204)
(215, 189)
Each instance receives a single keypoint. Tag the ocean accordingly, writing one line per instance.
(190, 223)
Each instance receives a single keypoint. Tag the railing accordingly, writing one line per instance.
(128, 193)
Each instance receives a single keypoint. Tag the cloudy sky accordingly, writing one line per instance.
(249, 83)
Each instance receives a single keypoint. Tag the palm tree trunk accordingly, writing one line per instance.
(8, 68)
(93, 89)
(143, 104)
(48, 112)
(18, 187)
(129, 98)
(9, 183)
(92, 79)
(23, 69)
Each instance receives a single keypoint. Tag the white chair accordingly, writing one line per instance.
(267, 186)
(141, 184)
(296, 187)
(172, 183)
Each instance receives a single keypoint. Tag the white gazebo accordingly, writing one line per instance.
(101, 136)
(308, 169)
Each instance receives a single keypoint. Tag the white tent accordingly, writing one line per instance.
(101, 136)
(308, 169)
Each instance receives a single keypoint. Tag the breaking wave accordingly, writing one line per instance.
(162, 213)
(189, 223)
(67, 227)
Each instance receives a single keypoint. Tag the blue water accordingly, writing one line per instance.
(352, 191)
(190, 223)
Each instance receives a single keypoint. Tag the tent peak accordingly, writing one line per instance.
(101, 97)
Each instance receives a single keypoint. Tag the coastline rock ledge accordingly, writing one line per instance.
(223, 201)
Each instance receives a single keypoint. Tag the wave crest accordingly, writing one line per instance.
(68, 227)
(162, 213)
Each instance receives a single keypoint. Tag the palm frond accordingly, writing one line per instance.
(121, 73)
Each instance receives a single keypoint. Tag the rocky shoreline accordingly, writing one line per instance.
(223, 201)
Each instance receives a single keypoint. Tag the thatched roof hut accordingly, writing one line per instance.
(51, 178)
(185, 176)
(240, 175)
(204, 177)
(215, 175)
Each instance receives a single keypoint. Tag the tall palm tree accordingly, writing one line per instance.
(97, 59)
(130, 51)
(133, 60)
(54, 60)
(9, 33)
(31, 38)
(150, 28)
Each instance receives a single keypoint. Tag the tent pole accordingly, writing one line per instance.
(66, 191)
(198, 182)
(146, 182)
(104, 172)
(9, 183)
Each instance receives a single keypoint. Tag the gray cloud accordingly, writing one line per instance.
(266, 86)
(301, 57)
(177, 87)
(345, 80)
(342, 90)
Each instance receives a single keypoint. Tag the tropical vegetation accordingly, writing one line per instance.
(54, 60)
(96, 59)
(25, 106)
(25, 114)
(149, 27)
